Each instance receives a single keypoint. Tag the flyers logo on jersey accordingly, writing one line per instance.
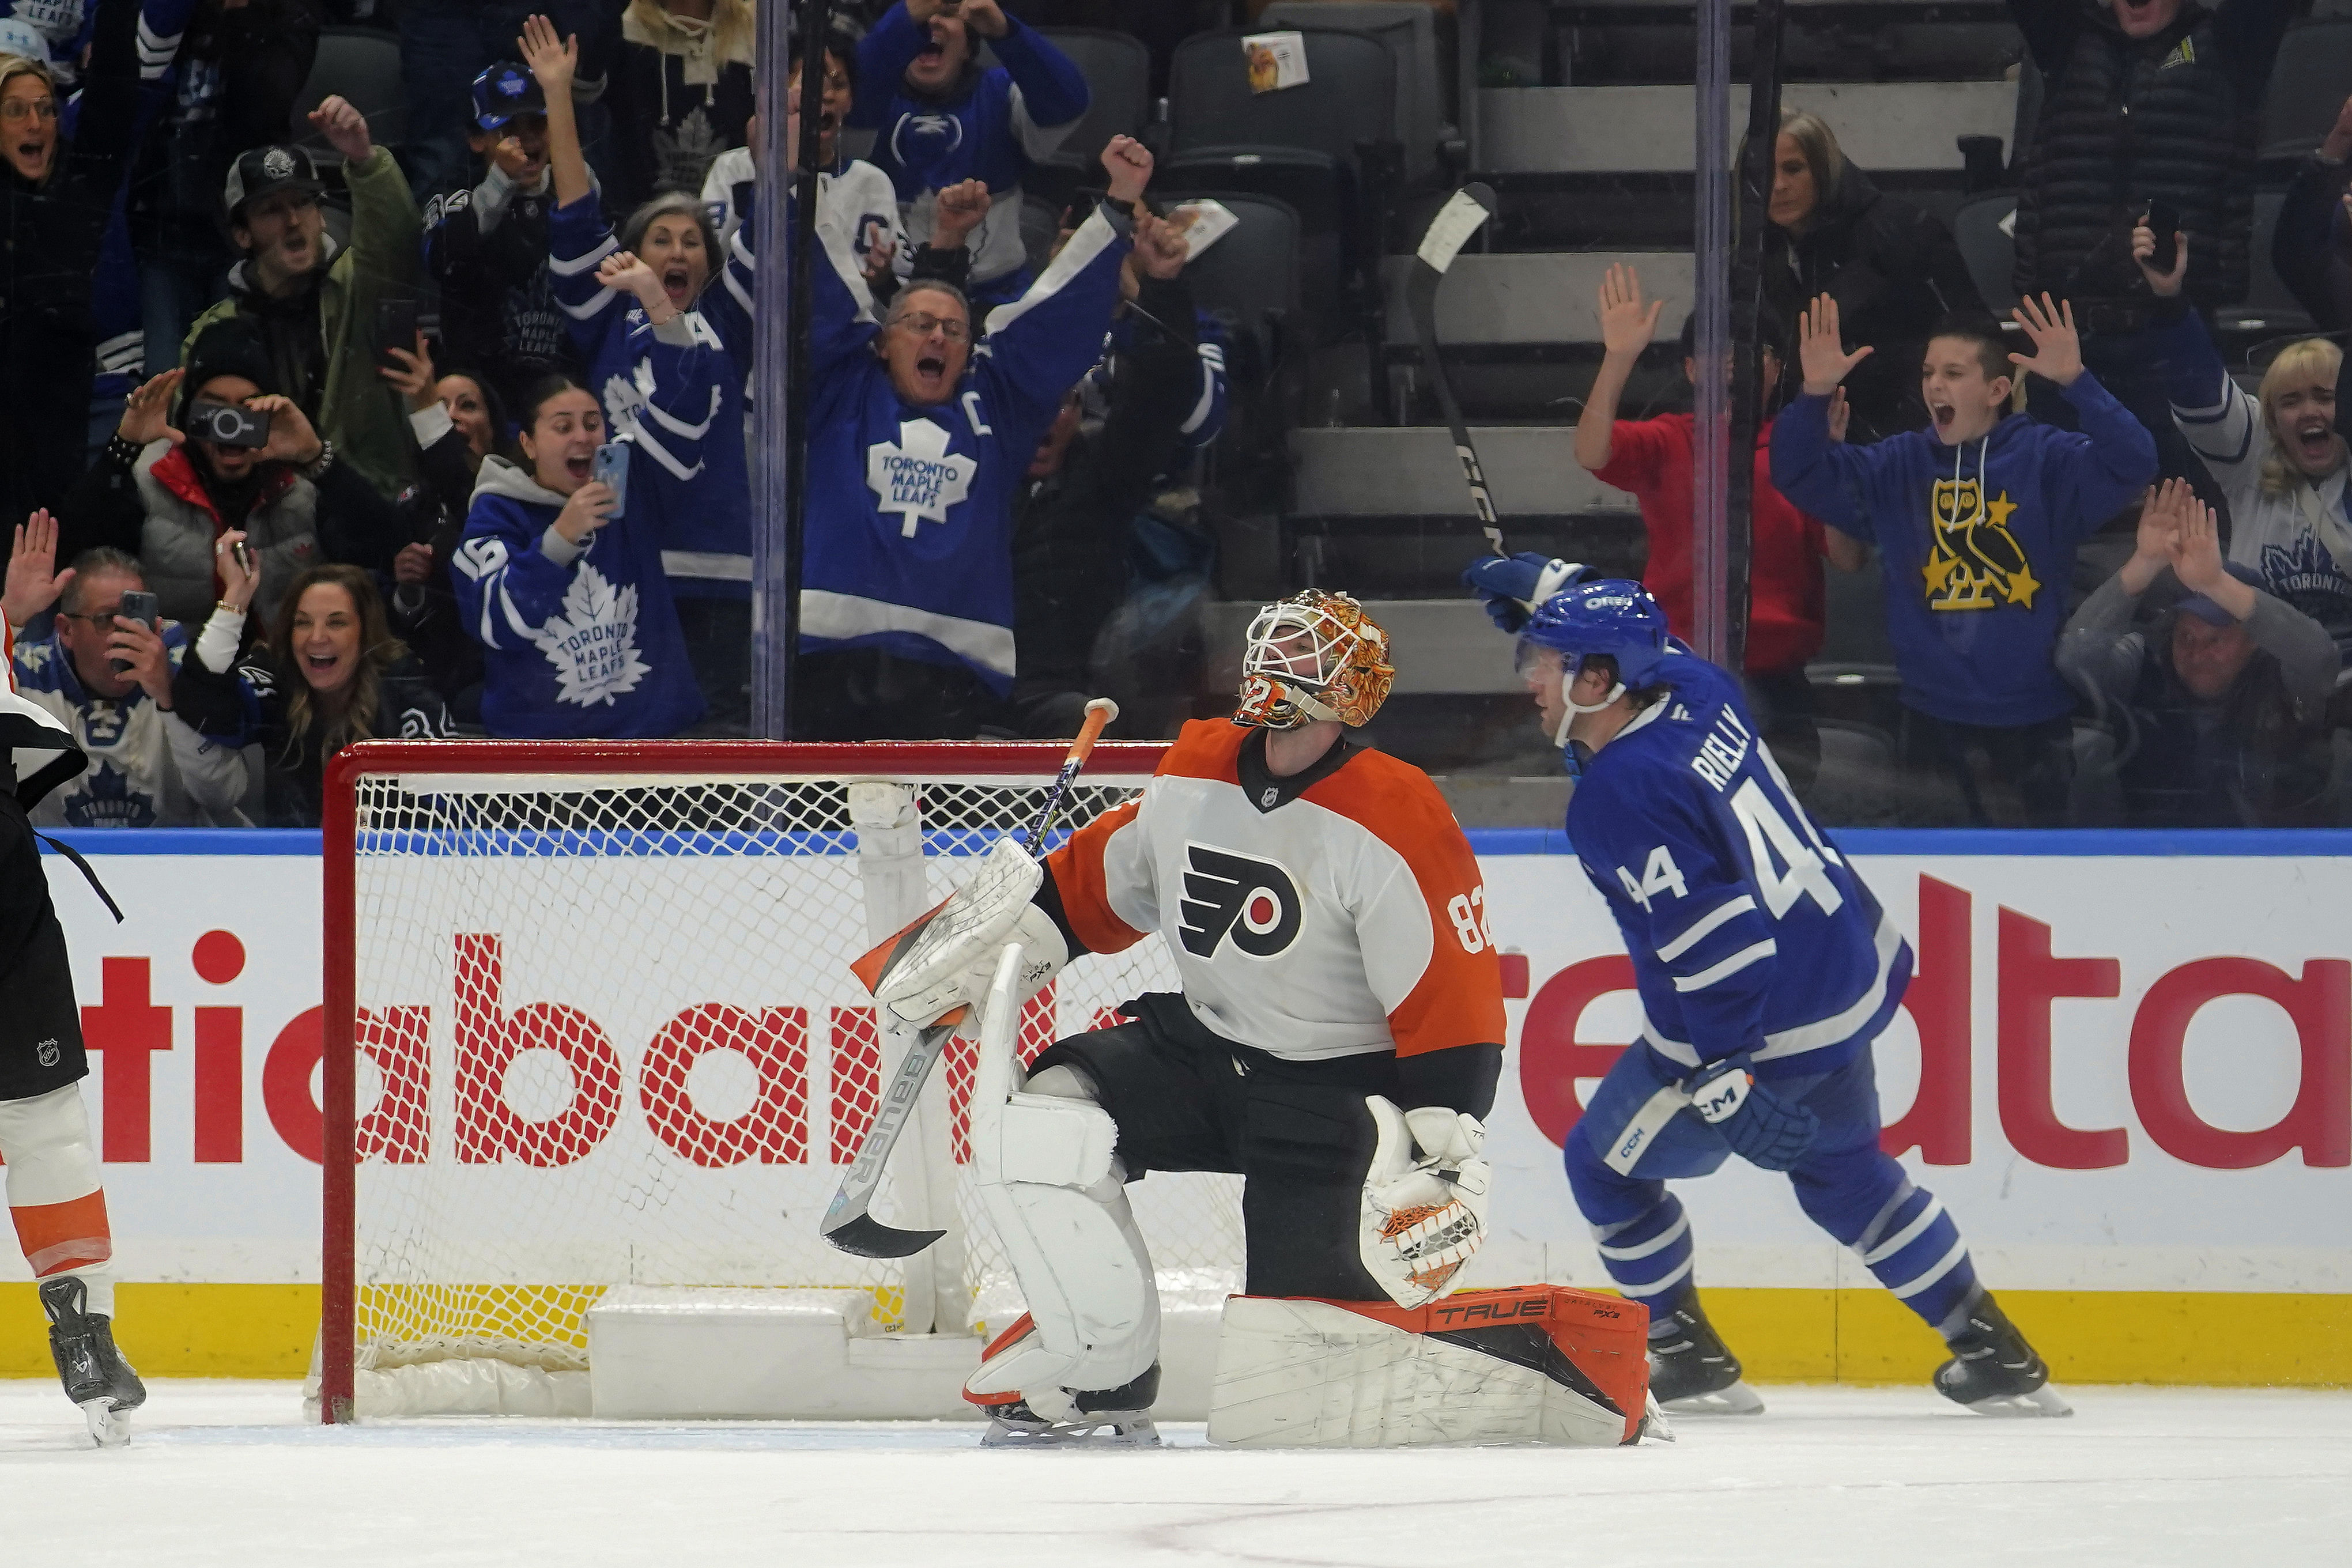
(1253, 900)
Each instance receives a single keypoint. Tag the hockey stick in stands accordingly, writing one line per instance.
(847, 1223)
(1460, 217)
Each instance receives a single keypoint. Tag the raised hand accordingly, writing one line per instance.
(1821, 350)
(413, 564)
(32, 585)
(1627, 325)
(510, 157)
(2166, 284)
(291, 439)
(1128, 163)
(411, 374)
(2057, 348)
(624, 272)
(1840, 414)
(146, 663)
(147, 412)
(956, 211)
(2196, 545)
(1160, 246)
(589, 509)
(984, 17)
(239, 573)
(345, 129)
(553, 59)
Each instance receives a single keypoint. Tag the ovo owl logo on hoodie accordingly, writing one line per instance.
(1975, 563)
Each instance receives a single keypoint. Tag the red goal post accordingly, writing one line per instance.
(588, 1021)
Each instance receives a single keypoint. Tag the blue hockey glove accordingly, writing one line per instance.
(1512, 586)
(1761, 1128)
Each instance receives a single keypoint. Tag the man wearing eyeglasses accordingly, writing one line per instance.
(107, 678)
(921, 432)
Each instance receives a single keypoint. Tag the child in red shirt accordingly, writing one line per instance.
(1653, 459)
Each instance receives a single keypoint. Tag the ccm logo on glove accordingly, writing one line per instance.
(1723, 1098)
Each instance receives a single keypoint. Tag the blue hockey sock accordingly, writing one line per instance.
(1649, 1256)
(1915, 1251)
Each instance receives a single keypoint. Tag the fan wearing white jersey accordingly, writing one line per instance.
(1337, 1040)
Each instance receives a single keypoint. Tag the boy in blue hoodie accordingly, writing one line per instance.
(1976, 519)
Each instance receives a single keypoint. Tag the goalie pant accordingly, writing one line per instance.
(54, 1196)
(1750, 932)
(582, 641)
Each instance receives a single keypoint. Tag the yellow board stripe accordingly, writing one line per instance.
(1781, 1336)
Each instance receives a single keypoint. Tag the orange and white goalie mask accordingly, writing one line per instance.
(1313, 656)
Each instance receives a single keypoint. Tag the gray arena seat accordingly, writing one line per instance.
(1117, 69)
(361, 66)
(1408, 30)
(2308, 85)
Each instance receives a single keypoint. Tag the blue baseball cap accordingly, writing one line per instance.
(2206, 611)
(505, 90)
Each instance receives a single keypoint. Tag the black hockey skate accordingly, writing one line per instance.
(96, 1377)
(1692, 1371)
(1993, 1371)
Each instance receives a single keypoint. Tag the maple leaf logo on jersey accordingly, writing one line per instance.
(918, 477)
(593, 642)
(1255, 900)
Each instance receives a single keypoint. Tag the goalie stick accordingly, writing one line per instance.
(847, 1223)
(1460, 217)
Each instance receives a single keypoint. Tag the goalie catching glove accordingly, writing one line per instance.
(1762, 1128)
(949, 960)
(1425, 1213)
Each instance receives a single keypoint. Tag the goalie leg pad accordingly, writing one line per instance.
(1046, 1174)
(1536, 1363)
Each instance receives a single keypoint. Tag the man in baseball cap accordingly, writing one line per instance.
(2219, 708)
(314, 303)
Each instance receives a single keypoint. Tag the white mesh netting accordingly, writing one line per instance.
(609, 1035)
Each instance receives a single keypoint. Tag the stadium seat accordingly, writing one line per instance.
(2307, 87)
(361, 66)
(1408, 30)
(1117, 69)
(1041, 225)
(1988, 249)
(1329, 144)
(1305, 185)
(2270, 309)
(1251, 281)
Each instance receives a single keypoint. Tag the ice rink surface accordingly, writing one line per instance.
(227, 1473)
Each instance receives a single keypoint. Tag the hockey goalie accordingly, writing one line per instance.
(1337, 1043)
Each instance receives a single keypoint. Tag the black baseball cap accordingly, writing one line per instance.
(267, 169)
(505, 90)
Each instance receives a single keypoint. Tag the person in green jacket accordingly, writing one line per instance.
(314, 302)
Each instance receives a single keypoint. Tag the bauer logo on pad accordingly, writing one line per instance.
(1257, 901)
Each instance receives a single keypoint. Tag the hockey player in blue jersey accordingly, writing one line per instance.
(1766, 969)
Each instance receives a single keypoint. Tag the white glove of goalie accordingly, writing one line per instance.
(949, 960)
(1424, 1212)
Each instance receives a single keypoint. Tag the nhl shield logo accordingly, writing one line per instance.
(277, 164)
(47, 1052)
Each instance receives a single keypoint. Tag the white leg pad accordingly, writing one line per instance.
(1045, 1173)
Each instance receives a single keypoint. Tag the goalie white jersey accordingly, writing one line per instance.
(1331, 914)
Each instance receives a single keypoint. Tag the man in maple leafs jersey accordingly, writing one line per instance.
(919, 440)
(1337, 1040)
(1765, 968)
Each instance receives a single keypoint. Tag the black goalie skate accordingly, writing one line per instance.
(1692, 1371)
(96, 1377)
(1993, 1371)
(1067, 1417)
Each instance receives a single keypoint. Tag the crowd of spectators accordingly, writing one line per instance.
(445, 432)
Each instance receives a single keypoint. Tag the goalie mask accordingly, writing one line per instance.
(1313, 656)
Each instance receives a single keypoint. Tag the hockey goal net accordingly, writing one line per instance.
(590, 1023)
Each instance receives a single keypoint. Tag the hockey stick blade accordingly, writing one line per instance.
(1460, 218)
(847, 1224)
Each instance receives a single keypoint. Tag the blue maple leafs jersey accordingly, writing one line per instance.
(1748, 928)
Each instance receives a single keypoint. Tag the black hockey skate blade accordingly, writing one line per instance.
(868, 1237)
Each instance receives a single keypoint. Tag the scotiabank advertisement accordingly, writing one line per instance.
(2120, 1071)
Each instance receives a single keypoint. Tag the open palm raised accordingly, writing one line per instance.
(1822, 350)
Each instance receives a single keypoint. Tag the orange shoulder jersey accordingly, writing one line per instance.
(1330, 914)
